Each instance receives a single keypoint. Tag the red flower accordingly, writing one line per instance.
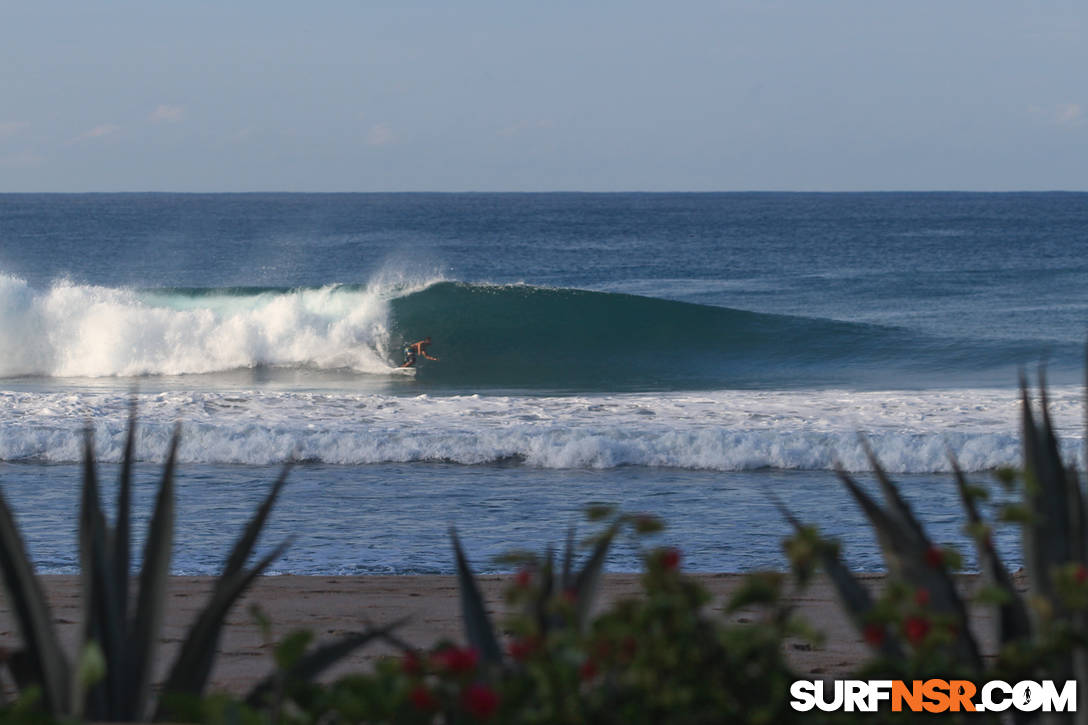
(916, 629)
(670, 559)
(588, 670)
(456, 659)
(423, 699)
(874, 634)
(935, 557)
(520, 649)
(523, 579)
(921, 597)
(480, 701)
(1082, 574)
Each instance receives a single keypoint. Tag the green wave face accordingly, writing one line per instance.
(523, 336)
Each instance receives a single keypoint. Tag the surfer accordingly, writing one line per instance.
(414, 350)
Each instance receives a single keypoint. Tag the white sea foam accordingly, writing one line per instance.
(73, 330)
(910, 431)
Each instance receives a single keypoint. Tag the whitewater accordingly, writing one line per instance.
(73, 330)
(910, 431)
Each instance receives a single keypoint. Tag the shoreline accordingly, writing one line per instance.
(333, 605)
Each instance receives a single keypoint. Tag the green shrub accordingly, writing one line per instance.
(662, 656)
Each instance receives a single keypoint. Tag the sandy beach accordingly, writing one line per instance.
(329, 606)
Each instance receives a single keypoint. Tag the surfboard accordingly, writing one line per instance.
(410, 372)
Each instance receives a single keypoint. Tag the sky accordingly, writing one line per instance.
(597, 95)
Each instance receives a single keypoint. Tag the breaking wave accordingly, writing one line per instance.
(488, 336)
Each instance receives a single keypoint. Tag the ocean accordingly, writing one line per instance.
(688, 355)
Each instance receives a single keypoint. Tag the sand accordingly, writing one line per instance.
(330, 605)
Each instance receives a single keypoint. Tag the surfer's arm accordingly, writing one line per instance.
(429, 357)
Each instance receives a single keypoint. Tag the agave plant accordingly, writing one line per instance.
(112, 678)
(660, 656)
(1041, 634)
(561, 596)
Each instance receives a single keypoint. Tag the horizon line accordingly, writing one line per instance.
(547, 192)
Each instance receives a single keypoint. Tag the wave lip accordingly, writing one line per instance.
(721, 431)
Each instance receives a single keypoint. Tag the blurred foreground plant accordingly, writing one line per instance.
(919, 626)
(111, 676)
(658, 656)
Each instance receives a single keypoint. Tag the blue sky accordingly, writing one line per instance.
(516, 96)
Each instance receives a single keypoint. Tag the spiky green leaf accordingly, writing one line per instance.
(566, 578)
(855, 598)
(478, 628)
(122, 527)
(43, 659)
(103, 625)
(1045, 533)
(1012, 619)
(587, 581)
(151, 598)
(189, 674)
(243, 547)
(912, 557)
(307, 666)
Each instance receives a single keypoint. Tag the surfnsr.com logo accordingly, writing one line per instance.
(933, 696)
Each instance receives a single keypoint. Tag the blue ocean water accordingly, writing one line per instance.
(676, 353)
